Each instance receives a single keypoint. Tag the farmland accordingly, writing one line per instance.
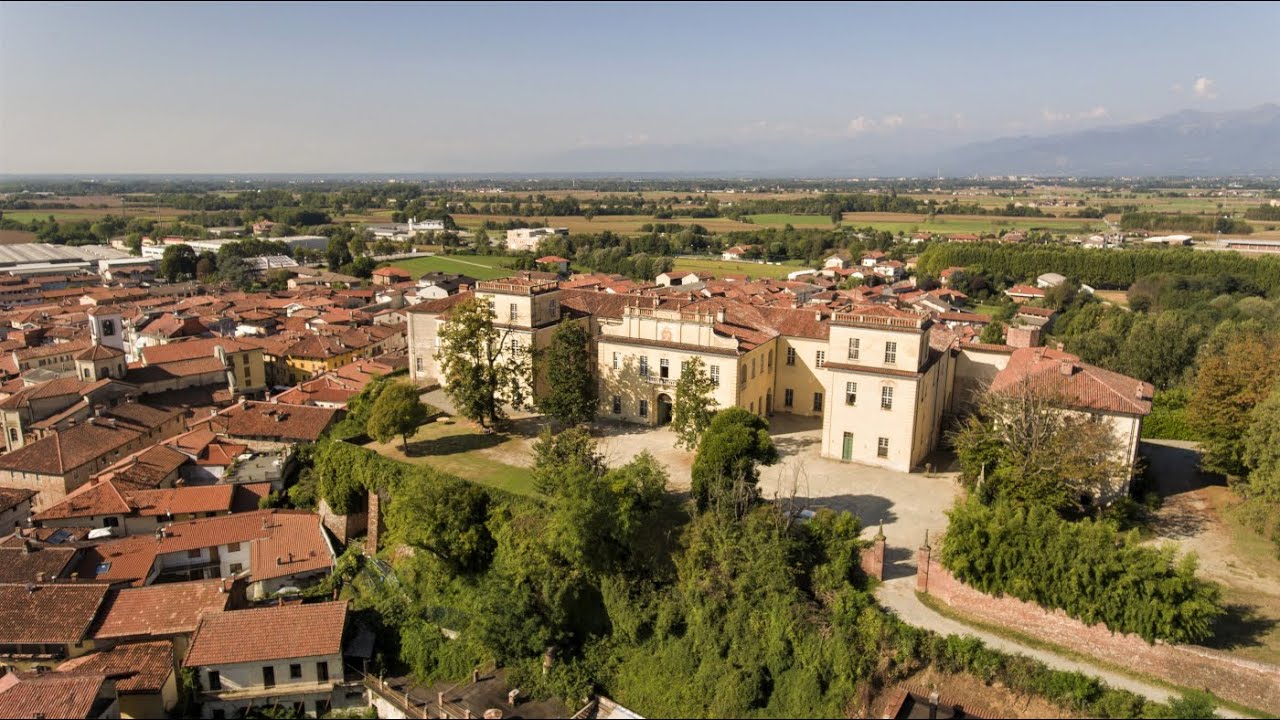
(624, 224)
(480, 267)
(908, 222)
(780, 220)
(721, 268)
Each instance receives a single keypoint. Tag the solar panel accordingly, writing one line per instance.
(60, 536)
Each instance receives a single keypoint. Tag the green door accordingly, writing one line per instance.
(847, 452)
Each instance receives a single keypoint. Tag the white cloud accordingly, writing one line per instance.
(860, 124)
(1176, 88)
(1052, 117)
(1203, 88)
(891, 122)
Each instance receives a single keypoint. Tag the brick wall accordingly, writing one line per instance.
(1254, 684)
(872, 559)
(374, 524)
(343, 527)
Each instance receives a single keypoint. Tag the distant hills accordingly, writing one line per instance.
(1187, 143)
(1191, 142)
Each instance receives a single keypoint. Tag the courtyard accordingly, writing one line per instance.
(907, 504)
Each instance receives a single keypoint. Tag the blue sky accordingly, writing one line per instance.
(101, 87)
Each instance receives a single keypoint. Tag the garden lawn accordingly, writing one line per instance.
(480, 267)
(455, 447)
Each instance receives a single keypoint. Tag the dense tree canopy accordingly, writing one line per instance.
(571, 389)
(694, 405)
(725, 470)
(397, 411)
(481, 370)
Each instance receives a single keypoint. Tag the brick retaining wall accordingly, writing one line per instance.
(1254, 684)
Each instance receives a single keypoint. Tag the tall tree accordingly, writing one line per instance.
(445, 516)
(397, 411)
(993, 333)
(1023, 445)
(480, 368)
(178, 262)
(694, 405)
(725, 470)
(1262, 449)
(1236, 371)
(571, 395)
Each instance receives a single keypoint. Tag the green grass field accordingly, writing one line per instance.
(907, 223)
(456, 448)
(480, 267)
(779, 220)
(724, 267)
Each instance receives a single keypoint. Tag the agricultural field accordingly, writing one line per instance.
(721, 268)
(910, 223)
(16, 237)
(480, 267)
(800, 221)
(624, 224)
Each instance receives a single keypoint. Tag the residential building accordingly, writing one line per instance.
(146, 678)
(528, 239)
(290, 655)
(42, 624)
(58, 695)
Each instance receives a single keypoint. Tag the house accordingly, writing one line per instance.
(168, 611)
(267, 549)
(560, 264)
(146, 679)
(838, 260)
(110, 504)
(58, 695)
(64, 459)
(391, 275)
(528, 239)
(435, 285)
(1036, 316)
(271, 422)
(677, 278)
(1024, 293)
(42, 624)
(739, 252)
(15, 506)
(872, 259)
(24, 557)
(290, 655)
(1117, 400)
(263, 227)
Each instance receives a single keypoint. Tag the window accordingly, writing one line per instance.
(515, 346)
(13, 435)
(108, 328)
(419, 364)
(193, 554)
(110, 522)
(684, 367)
(322, 671)
(791, 356)
(822, 358)
(235, 568)
(882, 447)
(617, 360)
(715, 375)
(886, 398)
(233, 547)
(851, 393)
(515, 312)
(617, 405)
(788, 397)
(295, 671)
(855, 348)
(891, 353)
(770, 359)
(817, 402)
(664, 368)
(268, 676)
(753, 368)
(753, 407)
(244, 360)
(215, 680)
(644, 366)
(87, 375)
(644, 408)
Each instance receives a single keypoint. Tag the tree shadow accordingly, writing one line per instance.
(454, 444)
(1241, 626)
(871, 510)
(898, 562)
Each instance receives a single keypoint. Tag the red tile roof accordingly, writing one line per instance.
(160, 610)
(1079, 385)
(1025, 291)
(52, 614)
(147, 666)
(273, 421)
(191, 349)
(52, 695)
(100, 352)
(270, 633)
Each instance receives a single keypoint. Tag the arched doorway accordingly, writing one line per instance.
(664, 409)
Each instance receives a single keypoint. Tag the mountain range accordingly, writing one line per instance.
(1191, 142)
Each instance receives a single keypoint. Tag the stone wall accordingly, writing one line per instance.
(343, 527)
(1254, 684)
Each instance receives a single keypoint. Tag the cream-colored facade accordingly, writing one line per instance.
(881, 390)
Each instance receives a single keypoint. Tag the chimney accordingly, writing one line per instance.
(1066, 367)
(40, 576)
(75, 576)
(279, 560)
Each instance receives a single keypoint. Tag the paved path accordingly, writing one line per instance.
(899, 596)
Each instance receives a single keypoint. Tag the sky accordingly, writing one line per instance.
(455, 88)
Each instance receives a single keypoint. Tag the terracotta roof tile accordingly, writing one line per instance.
(52, 695)
(147, 666)
(270, 633)
(273, 421)
(53, 614)
(1078, 384)
(160, 610)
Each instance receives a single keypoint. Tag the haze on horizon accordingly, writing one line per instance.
(107, 88)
